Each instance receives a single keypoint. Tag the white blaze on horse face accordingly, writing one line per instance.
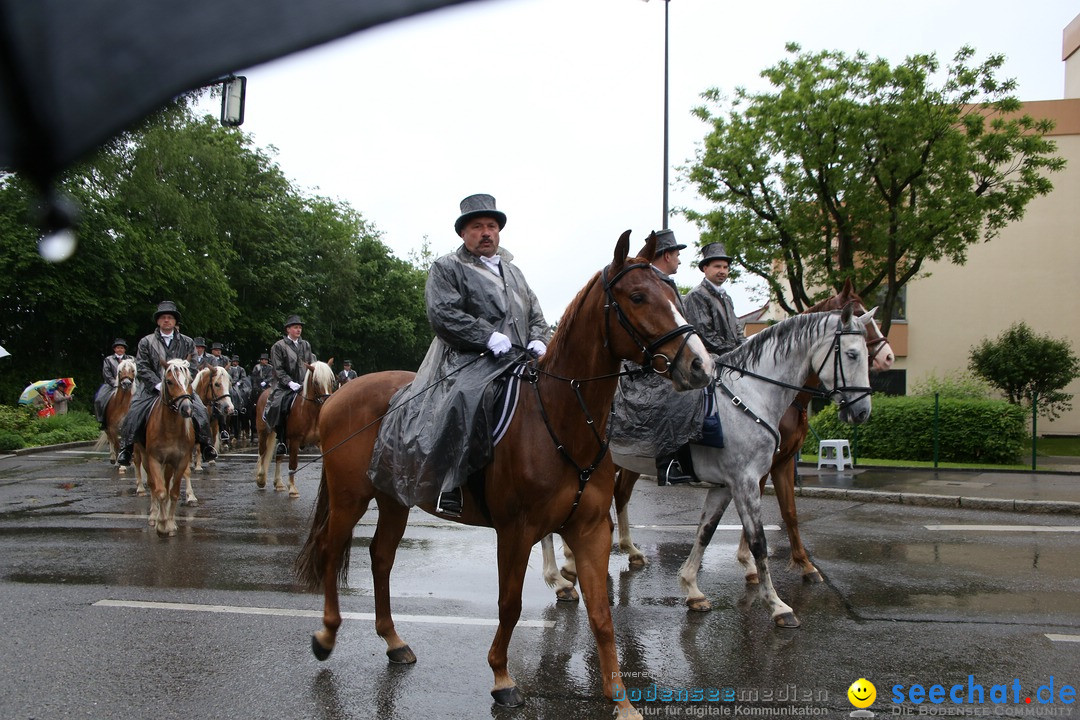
(697, 350)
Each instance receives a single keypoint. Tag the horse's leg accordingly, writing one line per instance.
(783, 478)
(743, 554)
(513, 555)
(564, 589)
(624, 488)
(569, 568)
(393, 519)
(591, 544)
(262, 465)
(173, 479)
(716, 501)
(159, 493)
(272, 453)
(189, 492)
(748, 503)
(137, 463)
(294, 452)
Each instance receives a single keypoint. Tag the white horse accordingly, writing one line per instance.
(755, 386)
(213, 385)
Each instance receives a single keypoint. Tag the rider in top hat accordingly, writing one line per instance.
(346, 374)
(108, 377)
(216, 358)
(236, 370)
(708, 306)
(484, 316)
(199, 359)
(164, 344)
(262, 374)
(289, 356)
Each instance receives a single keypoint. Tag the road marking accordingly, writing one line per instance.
(287, 612)
(667, 528)
(1007, 528)
(1063, 638)
(144, 517)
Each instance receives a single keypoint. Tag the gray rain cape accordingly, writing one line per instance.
(439, 429)
(651, 418)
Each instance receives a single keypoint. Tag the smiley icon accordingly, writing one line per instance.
(862, 693)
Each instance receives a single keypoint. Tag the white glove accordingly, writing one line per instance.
(158, 387)
(294, 386)
(537, 348)
(498, 344)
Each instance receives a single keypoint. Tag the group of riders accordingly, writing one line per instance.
(485, 318)
(281, 370)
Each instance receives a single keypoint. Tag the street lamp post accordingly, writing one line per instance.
(667, 3)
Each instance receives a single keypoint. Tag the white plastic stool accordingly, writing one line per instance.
(836, 453)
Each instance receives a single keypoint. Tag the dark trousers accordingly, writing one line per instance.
(135, 422)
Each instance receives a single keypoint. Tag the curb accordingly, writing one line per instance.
(47, 448)
(945, 501)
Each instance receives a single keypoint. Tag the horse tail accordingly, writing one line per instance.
(311, 563)
(102, 441)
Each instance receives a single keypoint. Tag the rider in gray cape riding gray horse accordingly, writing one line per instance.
(479, 306)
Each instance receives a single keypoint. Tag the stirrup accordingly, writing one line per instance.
(123, 458)
(450, 503)
(281, 449)
(209, 453)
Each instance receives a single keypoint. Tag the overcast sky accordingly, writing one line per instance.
(555, 107)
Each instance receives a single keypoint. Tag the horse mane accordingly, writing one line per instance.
(321, 375)
(776, 341)
(125, 364)
(555, 347)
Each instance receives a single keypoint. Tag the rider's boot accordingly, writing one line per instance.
(450, 503)
(282, 448)
(208, 452)
(123, 458)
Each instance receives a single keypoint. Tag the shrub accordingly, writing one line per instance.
(957, 384)
(10, 441)
(902, 428)
(32, 431)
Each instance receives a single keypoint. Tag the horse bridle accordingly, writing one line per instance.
(174, 403)
(648, 355)
(838, 377)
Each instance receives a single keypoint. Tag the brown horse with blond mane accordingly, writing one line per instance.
(165, 454)
(551, 471)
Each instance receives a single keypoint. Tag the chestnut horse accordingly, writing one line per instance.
(213, 385)
(534, 485)
(301, 428)
(793, 429)
(117, 408)
(166, 453)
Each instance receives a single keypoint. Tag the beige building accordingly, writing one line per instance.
(1030, 272)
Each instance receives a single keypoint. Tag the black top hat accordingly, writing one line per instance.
(119, 341)
(477, 206)
(167, 307)
(294, 320)
(235, 358)
(200, 342)
(712, 251)
(264, 356)
(348, 362)
(216, 346)
(665, 240)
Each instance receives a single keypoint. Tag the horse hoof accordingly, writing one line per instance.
(699, 605)
(401, 656)
(260, 483)
(638, 561)
(813, 577)
(752, 579)
(568, 594)
(508, 697)
(294, 493)
(318, 650)
(786, 620)
(568, 575)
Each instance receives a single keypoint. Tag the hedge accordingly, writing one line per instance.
(902, 428)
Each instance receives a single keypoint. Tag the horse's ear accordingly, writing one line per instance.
(622, 249)
(867, 317)
(649, 250)
(848, 289)
(330, 362)
(847, 313)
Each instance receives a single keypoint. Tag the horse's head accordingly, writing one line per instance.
(318, 382)
(125, 374)
(842, 364)
(650, 329)
(881, 352)
(176, 387)
(221, 391)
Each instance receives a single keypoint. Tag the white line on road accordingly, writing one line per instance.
(1007, 528)
(694, 527)
(1063, 638)
(287, 612)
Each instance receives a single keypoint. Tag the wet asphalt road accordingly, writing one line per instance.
(89, 630)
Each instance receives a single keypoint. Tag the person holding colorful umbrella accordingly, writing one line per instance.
(51, 396)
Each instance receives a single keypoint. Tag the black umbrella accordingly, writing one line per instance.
(74, 73)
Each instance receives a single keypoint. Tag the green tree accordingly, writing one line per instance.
(853, 168)
(1022, 364)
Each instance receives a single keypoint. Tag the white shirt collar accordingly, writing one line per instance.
(717, 288)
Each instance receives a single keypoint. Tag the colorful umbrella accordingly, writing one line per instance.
(65, 385)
